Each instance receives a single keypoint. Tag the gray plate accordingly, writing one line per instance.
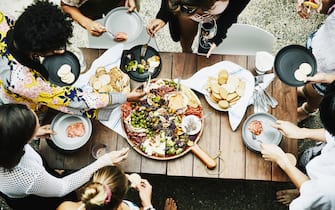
(269, 135)
(120, 20)
(60, 139)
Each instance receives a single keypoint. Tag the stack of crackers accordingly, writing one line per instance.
(113, 80)
(225, 90)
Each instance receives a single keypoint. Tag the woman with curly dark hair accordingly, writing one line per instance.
(25, 180)
(43, 30)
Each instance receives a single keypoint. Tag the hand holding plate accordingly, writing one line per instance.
(44, 131)
(288, 129)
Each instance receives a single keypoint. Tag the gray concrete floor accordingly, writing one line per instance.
(276, 16)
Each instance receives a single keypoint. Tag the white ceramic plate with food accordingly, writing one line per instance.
(71, 131)
(265, 134)
(235, 71)
(120, 20)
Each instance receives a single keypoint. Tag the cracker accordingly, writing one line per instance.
(299, 75)
(222, 77)
(305, 68)
(223, 92)
(64, 70)
(223, 104)
(232, 96)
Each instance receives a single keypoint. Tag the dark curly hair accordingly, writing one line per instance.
(17, 127)
(42, 27)
(327, 109)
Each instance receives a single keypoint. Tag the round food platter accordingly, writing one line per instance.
(134, 55)
(61, 139)
(55, 62)
(267, 135)
(120, 20)
(166, 124)
(289, 59)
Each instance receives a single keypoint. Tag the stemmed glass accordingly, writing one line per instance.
(207, 31)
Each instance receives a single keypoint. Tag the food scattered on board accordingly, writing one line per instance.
(134, 65)
(255, 127)
(225, 90)
(304, 70)
(154, 124)
(113, 80)
(121, 36)
(134, 179)
(65, 74)
(76, 129)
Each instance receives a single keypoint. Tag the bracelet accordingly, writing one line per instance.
(149, 208)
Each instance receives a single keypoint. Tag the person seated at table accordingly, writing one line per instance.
(25, 182)
(184, 17)
(322, 45)
(43, 30)
(315, 190)
(107, 189)
(86, 11)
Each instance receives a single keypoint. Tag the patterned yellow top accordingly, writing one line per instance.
(20, 84)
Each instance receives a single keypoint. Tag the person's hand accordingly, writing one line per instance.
(95, 28)
(145, 192)
(131, 4)
(135, 95)
(273, 153)
(154, 26)
(213, 46)
(321, 78)
(44, 131)
(306, 12)
(288, 129)
(117, 156)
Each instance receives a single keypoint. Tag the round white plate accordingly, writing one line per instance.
(269, 135)
(120, 20)
(59, 125)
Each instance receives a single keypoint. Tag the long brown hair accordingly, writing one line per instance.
(96, 194)
(175, 5)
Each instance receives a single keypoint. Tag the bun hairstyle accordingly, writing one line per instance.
(17, 127)
(106, 189)
(175, 5)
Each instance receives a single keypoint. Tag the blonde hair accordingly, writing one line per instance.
(95, 193)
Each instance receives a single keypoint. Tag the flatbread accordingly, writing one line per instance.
(300, 76)
(64, 70)
(305, 68)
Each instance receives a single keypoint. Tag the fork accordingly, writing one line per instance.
(150, 72)
(144, 48)
(255, 138)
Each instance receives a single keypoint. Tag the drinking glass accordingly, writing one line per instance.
(207, 31)
(98, 150)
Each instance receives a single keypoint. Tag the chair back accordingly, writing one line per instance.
(245, 39)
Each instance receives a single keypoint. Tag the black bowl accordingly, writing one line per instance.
(288, 60)
(54, 62)
(134, 54)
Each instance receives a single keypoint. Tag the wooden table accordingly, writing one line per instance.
(235, 162)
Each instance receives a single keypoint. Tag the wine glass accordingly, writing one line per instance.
(207, 31)
(98, 150)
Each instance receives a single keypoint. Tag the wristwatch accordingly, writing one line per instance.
(149, 208)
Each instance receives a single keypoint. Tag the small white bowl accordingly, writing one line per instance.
(191, 124)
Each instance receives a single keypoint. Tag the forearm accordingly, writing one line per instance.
(294, 174)
(77, 15)
(314, 134)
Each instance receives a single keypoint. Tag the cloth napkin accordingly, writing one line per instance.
(109, 59)
(199, 80)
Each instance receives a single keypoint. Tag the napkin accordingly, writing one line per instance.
(109, 59)
(199, 80)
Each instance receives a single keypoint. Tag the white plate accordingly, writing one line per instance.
(59, 125)
(244, 75)
(269, 135)
(120, 20)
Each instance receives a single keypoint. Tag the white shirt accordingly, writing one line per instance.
(319, 191)
(75, 3)
(323, 46)
(30, 177)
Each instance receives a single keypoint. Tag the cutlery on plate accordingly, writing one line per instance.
(151, 70)
(144, 48)
(254, 137)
